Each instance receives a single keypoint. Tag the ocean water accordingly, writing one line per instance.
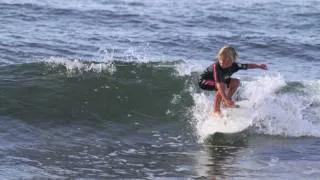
(107, 89)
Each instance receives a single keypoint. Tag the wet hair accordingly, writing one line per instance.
(228, 52)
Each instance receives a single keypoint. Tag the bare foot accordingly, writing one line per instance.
(230, 106)
(224, 104)
(217, 114)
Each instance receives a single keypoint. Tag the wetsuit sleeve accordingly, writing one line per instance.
(242, 66)
(238, 66)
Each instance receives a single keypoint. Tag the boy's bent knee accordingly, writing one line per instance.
(235, 82)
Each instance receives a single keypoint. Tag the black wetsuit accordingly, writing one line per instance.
(215, 73)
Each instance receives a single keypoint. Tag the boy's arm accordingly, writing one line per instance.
(257, 66)
(221, 90)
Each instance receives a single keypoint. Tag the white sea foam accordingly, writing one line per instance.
(76, 66)
(105, 62)
(287, 113)
(188, 67)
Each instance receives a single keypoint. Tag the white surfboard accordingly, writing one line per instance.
(233, 120)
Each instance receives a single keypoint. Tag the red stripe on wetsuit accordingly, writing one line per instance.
(215, 72)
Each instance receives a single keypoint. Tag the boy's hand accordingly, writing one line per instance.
(263, 66)
(230, 103)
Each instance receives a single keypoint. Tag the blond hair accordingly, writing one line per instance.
(228, 52)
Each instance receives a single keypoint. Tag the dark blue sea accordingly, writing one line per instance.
(107, 89)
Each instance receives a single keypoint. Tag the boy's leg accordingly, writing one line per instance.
(233, 86)
(217, 103)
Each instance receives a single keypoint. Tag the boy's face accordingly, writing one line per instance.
(225, 62)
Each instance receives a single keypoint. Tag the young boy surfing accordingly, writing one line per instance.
(217, 77)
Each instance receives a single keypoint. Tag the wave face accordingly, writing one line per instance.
(63, 90)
